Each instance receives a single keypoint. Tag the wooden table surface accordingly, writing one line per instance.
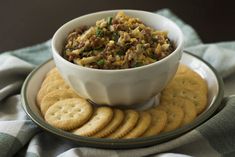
(27, 22)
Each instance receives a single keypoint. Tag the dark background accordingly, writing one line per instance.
(27, 22)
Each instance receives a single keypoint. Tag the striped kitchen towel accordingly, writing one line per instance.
(19, 136)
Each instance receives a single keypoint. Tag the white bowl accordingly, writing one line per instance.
(124, 86)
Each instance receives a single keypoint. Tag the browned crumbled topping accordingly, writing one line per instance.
(118, 42)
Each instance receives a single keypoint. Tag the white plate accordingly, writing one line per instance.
(215, 96)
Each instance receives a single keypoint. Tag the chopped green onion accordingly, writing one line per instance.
(153, 56)
(121, 53)
(99, 32)
(115, 36)
(99, 48)
(138, 64)
(100, 62)
(110, 19)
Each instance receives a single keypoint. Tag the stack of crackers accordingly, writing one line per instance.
(184, 98)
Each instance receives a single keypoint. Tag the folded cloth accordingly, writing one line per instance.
(19, 136)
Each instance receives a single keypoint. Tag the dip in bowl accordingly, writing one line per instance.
(118, 42)
(128, 83)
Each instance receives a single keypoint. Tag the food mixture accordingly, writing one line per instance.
(118, 42)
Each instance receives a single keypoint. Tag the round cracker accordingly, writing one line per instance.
(158, 123)
(189, 82)
(101, 117)
(129, 122)
(54, 96)
(69, 114)
(175, 116)
(52, 75)
(198, 98)
(184, 70)
(141, 126)
(53, 71)
(113, 125)
(195, 81)
(56, 85)
(51, 78)
(190, 112)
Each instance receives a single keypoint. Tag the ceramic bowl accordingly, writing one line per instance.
(119, 87)
(33, 82)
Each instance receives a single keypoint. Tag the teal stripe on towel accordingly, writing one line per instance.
(221, 137)
(9, 145)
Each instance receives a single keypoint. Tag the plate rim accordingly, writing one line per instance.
(124, 143)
